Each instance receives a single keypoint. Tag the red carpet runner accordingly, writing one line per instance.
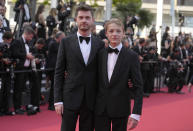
(161, 112)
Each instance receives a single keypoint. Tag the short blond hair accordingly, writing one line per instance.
(113, 21)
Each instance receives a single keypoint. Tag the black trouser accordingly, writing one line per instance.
(51, 95)
(103, 123)
(19, 83)
(35, 83)
(70, 117)
(5, 88)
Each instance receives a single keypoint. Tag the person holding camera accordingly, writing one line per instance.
(51, 63)
(51, 21)
(6, 63)
(6, 24)
(39, 18)
(21, 51)
(35, 76)
(63, 13)
(176, 72)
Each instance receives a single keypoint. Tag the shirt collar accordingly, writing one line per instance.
(23, 39)
(118, 47)
(78, 34)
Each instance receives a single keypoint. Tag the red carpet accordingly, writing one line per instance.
(161, 112)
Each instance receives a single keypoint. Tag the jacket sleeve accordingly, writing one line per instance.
(137, 84)
(59, 72)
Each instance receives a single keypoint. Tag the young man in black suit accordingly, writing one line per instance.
(117, 64)
(75, 93)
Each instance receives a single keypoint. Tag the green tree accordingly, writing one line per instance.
(125, 8)
(116, 2)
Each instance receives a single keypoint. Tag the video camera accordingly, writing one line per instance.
(22, 1)
(3, 48)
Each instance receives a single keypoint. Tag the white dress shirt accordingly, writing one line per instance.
(111, 62)
(85, 48)
(27, 61)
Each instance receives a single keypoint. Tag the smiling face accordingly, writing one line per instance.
(114, 33)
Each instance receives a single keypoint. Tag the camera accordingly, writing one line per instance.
(22, 1)
(3, 48)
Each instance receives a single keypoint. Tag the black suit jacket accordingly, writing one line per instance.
(113, 97)
(52, 54)
(19, 52)
(81, 79)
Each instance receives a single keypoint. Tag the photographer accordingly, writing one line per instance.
(21, 51)
(6, 24)
(176, 73)
(51, 21)
(21, 6)
(63, 14)
(6, 63)
(131, 21)
(35, 76)
(51, 63)
(2, 29)
(150, 62)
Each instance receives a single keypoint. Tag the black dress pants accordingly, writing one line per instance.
(70, 117)
(103, 123)
(6, 85)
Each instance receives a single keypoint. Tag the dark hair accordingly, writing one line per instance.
(84, 7)
(7, 35)
(39, 11)
(58, 34)
(28, 30)
(141, 40)
(41, 41)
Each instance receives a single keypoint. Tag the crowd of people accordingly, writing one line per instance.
(41, 42)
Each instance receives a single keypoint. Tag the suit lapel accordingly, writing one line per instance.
(93, 50)
(117, 67)
(76, 48)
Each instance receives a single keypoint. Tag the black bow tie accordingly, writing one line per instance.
(111, 50)
(87, 39)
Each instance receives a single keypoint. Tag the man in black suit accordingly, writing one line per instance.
(51, 64)
(74, 93)
(20, 50)
(116, 65)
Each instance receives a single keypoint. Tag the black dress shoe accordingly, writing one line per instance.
(146, 94)
(179, 92)
(9, 113)
(19, 111)
(2, 114)
(51, 108)
(37, 109)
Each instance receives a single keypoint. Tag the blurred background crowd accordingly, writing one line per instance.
(28, 56)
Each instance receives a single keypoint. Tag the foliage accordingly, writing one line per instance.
(46, 2)
(116, 2)
(146, 18)
(132, 8)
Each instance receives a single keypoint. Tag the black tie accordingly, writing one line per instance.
(87, 39)
(111, 50)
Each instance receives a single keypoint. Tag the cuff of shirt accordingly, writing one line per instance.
(58, 103)
(135, 116)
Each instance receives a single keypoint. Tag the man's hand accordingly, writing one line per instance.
(30, 56)
(59, 109)
(132, 123)
(6, 61)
